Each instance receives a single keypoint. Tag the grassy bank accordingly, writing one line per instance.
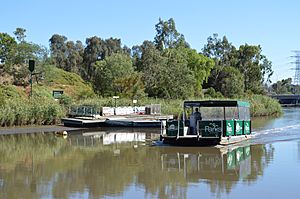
(263, 106)
(18, 109)
(37, 111)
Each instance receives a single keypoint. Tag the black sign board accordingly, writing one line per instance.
(57, 94)
(31, 65)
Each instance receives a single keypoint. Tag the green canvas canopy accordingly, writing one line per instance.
(216, 103)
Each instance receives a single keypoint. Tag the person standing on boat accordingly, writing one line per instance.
(193, 121)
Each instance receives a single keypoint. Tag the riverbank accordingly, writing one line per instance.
(16, 109)
(35, 129)
(45, 111)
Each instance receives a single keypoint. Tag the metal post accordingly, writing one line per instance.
(31, 84)
(178, 129)
(115, 97)
(31, 66)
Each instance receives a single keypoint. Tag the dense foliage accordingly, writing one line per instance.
(255, 68)
(166, 68)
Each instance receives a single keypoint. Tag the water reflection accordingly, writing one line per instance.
(110, 137)
(220, 168)
(84, 166)
(298, 145)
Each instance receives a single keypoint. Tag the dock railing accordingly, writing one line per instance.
(84, 111)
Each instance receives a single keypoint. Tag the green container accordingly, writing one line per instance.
(239, 127)
(172, 128)
(211, 128)
(247, 127)
(229, 127)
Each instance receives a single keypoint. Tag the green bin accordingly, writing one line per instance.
(229, 127)
(239, 127)
(247, 127)
(172, 128)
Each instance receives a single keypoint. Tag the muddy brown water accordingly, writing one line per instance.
(129, 163)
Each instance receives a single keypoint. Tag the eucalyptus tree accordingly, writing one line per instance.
(231, 82)
(109, 72)
(284, 86)
(248, 59)
(201, 67)
(74, 56)
(20, 34)
(165, 74)
(98, 49)
(223, 53)
(167, 36)
(254, 66)
(58, 49)
(7, 45)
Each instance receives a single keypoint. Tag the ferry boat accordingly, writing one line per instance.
(209, 122)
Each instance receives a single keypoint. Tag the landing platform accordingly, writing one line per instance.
(118, 121)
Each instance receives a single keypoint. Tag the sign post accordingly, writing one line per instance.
(134, 103)
(115, 97)
(31, 69)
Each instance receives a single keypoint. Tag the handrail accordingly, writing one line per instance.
(198, 129)
(178, 131)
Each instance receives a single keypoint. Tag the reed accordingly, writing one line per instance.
(37, 110)
(260, 105)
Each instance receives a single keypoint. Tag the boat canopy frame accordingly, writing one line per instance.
(216, 103)
(243, 107)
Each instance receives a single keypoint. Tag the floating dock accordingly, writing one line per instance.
(118, 121)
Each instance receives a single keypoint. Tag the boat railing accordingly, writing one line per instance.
(178, 129)
(198, 130)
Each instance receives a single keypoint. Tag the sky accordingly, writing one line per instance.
(273, 24)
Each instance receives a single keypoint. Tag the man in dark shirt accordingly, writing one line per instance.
(193, 121)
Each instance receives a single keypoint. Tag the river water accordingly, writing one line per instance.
(124, 163)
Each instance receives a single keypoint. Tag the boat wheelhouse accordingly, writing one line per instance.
(209, 122)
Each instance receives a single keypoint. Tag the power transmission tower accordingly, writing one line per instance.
(297, 68)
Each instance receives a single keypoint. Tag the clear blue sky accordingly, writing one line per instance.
(274, 24)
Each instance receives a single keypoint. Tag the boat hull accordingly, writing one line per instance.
(187, 141)
(194, 141)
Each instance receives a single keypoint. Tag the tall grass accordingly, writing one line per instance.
(260, 105)
(17, 109)
(23, 111)
(168, 106)
(263, 106)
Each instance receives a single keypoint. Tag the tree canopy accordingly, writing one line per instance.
(166, 67)
(255, 68)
